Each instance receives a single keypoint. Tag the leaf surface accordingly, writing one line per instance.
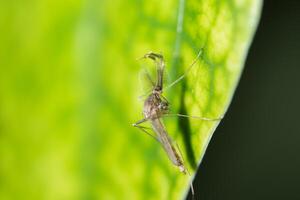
(69, 88)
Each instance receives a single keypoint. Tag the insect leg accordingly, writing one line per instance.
(195, 117)
(143, 128)
(186, 72)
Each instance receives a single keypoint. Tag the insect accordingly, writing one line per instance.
(156, 106)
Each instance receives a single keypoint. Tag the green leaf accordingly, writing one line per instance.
(69, 91)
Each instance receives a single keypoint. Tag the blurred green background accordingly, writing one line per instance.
(69, 92)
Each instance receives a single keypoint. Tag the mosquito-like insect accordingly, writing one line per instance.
(156, 106)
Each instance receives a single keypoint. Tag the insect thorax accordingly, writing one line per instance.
(154, 106)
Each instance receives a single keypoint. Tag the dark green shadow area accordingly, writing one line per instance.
(185, 128)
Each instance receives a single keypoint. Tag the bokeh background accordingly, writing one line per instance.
(254, 153)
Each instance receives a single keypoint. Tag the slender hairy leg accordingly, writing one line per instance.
(186, 72)
(194, 117)
(143, 128)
